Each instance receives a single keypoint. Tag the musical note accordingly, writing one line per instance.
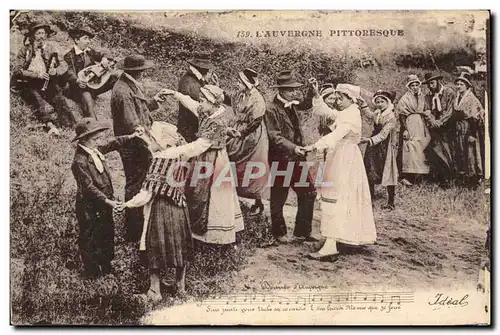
(360, 296)
(378, 295)
(396, 297)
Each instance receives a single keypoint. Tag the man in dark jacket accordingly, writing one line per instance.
(200, 73)
(190, 84)
(286, 153)
(130, 110)
(37, 80)
(79, 57)
(439, 100)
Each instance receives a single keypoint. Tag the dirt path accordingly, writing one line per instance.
(410, 253)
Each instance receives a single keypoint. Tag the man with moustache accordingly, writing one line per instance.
(130, 109)
(286, 145)
(439, 100)
(37, 81)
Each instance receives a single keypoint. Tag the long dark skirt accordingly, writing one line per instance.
(96, 239)
(168, 240)
(467, 155)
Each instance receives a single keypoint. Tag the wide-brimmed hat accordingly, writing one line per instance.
(135, 63)
(37, 25)
(88, 126)
(388, 95)
(465, 77)
(249, 77)
(285, 79)
(213, 93)
(78, 32)
(352, 91)
(201, 62)
(431, 76)
(412, 78)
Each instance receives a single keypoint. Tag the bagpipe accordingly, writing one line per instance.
(96, 76)
(53, 64)
(16, 80)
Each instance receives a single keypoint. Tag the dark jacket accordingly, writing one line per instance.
(284, 129)
(187, 123)
(129, 107)
(92, 186)
(78, 63)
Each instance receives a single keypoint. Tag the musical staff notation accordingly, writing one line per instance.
(315, 298)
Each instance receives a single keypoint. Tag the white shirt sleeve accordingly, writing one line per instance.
(188, 102)
(320, 108)
(140, 199)
(331, 140)
(189, 150)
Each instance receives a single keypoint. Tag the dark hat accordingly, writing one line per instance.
(201, 62)
(431, 76)
(285, 79)
(88, 126)
(388, 95)
(135, 63)
(78, 32)
(37, 25)
(465, 77)
(249, 77)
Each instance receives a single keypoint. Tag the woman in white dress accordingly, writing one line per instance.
(347, 215)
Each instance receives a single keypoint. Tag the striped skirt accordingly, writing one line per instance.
(168, 238)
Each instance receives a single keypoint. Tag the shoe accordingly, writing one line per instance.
(406, 182)
(323, 258)
(154, 296)
(256, 210)
(388, 207)
(282, 240)
(311, 239)
(55, 132)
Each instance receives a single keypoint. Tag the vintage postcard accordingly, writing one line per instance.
(250, 167)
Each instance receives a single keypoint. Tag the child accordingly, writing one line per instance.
(94, 198)
(380, 156)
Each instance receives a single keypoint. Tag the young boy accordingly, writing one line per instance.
(94, 199)
(80, 56)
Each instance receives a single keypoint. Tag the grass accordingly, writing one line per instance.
(46, 286)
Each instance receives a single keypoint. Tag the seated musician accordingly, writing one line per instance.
(38, 67)
(79, 57)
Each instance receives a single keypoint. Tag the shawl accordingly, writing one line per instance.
(469, 105)
(408, 104)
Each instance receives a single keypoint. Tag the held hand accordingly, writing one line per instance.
(52, 72)
(120, 207)
(44, 76)
(361, 103)
(364, 140)
(472, 139)
(105, 63)
(315, 86)
(426, 113)
(300, 151)
(162, 95)
(406, 135)
(309, 148)
(112, 203)
(81, 83)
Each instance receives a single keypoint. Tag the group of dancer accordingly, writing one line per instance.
(172, 191)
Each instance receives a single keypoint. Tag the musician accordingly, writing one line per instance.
(32, 70)
(80, 56)
(130, 110)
